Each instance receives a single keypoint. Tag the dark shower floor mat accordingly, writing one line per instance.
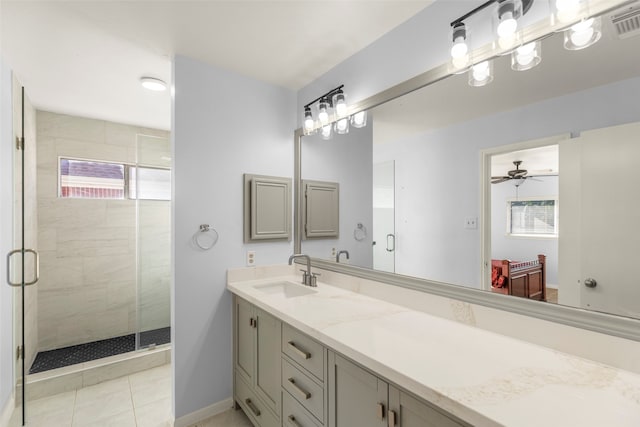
(58, 358)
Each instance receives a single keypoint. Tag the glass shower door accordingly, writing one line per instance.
(151, 177)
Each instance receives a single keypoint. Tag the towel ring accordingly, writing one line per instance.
(206, 237)
(360, 232)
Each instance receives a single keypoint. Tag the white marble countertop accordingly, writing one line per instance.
(483, 378)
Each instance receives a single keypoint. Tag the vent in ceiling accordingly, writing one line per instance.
(626, 22)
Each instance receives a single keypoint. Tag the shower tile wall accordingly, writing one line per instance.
(87, 290)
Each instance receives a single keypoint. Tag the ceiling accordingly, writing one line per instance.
(86, 57)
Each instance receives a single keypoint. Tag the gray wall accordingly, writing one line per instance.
(224, 125)
(522, 248)
(348, 160)
(6, 215)
(430, 210)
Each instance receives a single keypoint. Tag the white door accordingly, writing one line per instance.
(599, 243)
(384, 237)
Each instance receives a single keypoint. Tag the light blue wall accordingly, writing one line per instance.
(6, 235)
(224, 125)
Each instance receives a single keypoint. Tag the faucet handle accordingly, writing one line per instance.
(313, 280)
(305, 277)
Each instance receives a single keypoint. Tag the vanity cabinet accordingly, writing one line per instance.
(358, 398)
(257, 363)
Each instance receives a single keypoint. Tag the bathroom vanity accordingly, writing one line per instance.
(331, 356)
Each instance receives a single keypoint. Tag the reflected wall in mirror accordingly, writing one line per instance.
(440, 140)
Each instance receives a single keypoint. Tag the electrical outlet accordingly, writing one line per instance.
(251, 258)
(471, 223)
(333, 252)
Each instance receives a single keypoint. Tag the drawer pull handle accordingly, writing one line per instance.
(293, 422)
(304, 394)
(253, 407)
(380, 411)
(299, 352)
(392, 418)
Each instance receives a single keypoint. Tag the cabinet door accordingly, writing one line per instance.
(357, 398)
(268, 355)
(244, 340)
(407, 411)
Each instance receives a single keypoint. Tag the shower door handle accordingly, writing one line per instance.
(393, 243)
(36, 266)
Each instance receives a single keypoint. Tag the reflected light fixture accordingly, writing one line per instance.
(152, 83)
(526, 56)
(342, 126)
(481, 74)
(359, 119)
(583, 34)
(325, 131)
(566, 10)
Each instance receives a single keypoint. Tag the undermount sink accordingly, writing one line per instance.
(285, 289)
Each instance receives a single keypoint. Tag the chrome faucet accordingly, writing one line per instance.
(342, 252)
(308, 278)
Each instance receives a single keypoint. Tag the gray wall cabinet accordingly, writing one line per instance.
(320, 209)
(267, 208)
(257, 363)
(283, 378)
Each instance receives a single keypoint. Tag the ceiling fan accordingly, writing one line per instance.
(517, 174)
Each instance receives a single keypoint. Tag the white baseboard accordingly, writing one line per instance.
(204, 413)
(7, 411)
(551, 285)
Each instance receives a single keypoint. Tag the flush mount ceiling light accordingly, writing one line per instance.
(152, 83)
(583, 34)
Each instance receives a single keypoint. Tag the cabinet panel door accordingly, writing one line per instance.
(245, 335)
(357, 398)
(411, 412)
(268, 356)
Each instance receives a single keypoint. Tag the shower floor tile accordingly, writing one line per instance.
(58, 358)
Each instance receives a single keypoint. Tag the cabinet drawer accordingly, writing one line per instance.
(303, 389)
(303, 350)
(252, 405)
(294, 414)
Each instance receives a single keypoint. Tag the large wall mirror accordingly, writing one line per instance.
(433, 186)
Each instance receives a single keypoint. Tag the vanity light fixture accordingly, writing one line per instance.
(309, 124)
(583, 34)
(526, 56)
(481, 74)
(332, 115)
(323, 111)
(152, 83)
(340, 103)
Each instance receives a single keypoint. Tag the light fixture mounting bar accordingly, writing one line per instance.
(526, 5)
(327, 95)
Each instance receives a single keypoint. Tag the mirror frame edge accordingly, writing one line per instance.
(609, 324)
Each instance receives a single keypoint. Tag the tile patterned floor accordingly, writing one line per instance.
(142, 399)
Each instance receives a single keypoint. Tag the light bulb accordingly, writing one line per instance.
(340, 104)
(567, 10)
(583, 34)
(526, 57)
(507, 26)
(308, 123)
(459, 48)
(481, 71)
(323, 114)
(342, 126)
(326, 132)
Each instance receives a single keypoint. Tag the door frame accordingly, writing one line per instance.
(485, 196)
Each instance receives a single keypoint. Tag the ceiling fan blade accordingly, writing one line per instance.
(499, 179)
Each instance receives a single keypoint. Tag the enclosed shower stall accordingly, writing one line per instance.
(103, 236)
